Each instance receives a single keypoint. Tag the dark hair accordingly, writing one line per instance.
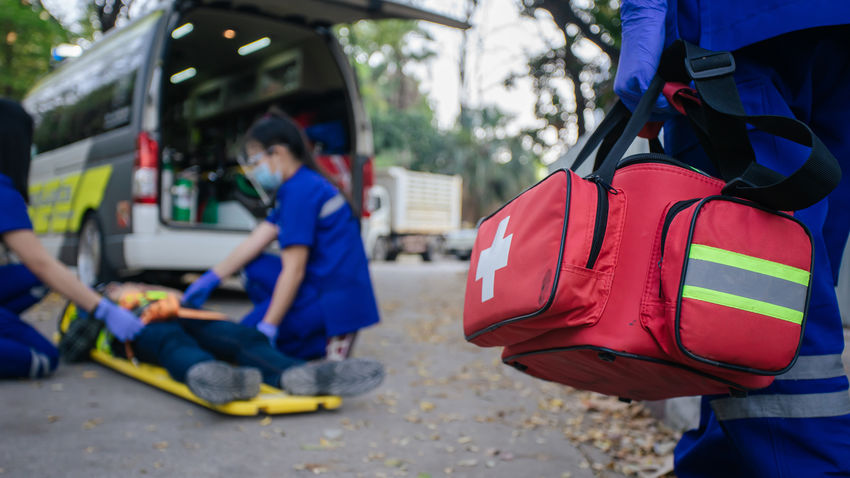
(15, 144)
(276, 127)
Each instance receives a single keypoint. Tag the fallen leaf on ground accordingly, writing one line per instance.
(89, 424)
(315, 468)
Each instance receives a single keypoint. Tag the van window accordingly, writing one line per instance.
(92, 94)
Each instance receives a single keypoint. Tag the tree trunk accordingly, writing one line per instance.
(564, 15)
(8, 56)
(574, 71)
(107, 14)
(471, 6)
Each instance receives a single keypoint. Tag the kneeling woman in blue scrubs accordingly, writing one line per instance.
(27, 269)
(312, 299)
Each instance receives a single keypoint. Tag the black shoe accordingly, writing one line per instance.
(77, 341)
(220, 382)
(345, 378)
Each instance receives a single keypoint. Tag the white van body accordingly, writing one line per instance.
(136, 140)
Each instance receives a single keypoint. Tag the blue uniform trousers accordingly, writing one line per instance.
(800, 425)
(302, 332)
(179, 344)
(23, 351)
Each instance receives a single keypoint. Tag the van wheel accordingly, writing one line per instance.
(380, 250)
(92, 267)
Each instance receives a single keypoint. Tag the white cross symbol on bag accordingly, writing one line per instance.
(492, 259)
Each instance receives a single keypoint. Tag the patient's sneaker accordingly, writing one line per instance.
(220, 382)
(345, 378)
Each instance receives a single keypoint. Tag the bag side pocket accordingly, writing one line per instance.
(742, 288)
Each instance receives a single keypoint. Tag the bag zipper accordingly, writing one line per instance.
(601, 223)
(668, 220)
(658, 158)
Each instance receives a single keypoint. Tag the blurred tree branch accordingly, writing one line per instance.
(589, 20)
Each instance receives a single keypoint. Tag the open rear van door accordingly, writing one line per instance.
(330, 12)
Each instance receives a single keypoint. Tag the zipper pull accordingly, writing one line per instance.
(598, 180)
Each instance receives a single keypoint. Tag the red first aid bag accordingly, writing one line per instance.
(650, 279)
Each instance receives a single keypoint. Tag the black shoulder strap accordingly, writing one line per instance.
(721, 126)
(610, 127)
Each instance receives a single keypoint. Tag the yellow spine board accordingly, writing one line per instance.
(270, 401)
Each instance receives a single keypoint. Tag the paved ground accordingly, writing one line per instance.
(447, 408)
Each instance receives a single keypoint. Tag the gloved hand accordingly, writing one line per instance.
(198, 292)
(640, 53)
(268, 330)
(123, 325)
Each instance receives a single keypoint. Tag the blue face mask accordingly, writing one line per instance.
(266, 178)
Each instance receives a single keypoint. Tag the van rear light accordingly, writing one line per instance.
(145, 169)
(368, 182)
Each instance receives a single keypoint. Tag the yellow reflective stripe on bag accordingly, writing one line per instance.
(743, 282)
(755, 264)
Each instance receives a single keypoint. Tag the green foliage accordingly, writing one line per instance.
(495, 166)
(27, 34)
(595, 21)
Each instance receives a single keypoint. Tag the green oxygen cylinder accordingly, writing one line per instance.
(182, 198)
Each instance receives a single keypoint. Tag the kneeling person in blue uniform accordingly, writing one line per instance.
(312, 299)
(27, 270)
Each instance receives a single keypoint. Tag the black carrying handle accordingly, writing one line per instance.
(721, 126)
(615, 119)
(639, 117)
(712, 75)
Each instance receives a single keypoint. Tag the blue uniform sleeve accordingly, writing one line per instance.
(297, 215)
(14, 215)
(274, 216)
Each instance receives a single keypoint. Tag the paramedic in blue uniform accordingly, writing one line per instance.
(793, 59)
(27, 270)
(313, 298)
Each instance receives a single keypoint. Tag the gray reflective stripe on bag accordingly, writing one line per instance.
(745, 282)
(813, 367)
(811, 405)
(331, 206)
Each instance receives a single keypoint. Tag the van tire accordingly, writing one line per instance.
(380, 250)
(92, 266)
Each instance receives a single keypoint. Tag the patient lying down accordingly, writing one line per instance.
(221, 361)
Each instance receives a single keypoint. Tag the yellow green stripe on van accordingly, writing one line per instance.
(58, 205)
(62, 206)
(755, 264)
(89, 193)
(41, 206)
(742, 303)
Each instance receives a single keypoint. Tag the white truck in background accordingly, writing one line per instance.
(410, 212)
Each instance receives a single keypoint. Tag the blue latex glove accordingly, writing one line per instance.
(268, 330)
(123, 325)
(643, 41)
(198, 292)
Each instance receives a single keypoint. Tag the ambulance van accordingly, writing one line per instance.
(136, 141)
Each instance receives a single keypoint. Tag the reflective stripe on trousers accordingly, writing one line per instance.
(812, 405)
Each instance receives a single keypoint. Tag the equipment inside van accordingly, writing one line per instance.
(137, 140)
